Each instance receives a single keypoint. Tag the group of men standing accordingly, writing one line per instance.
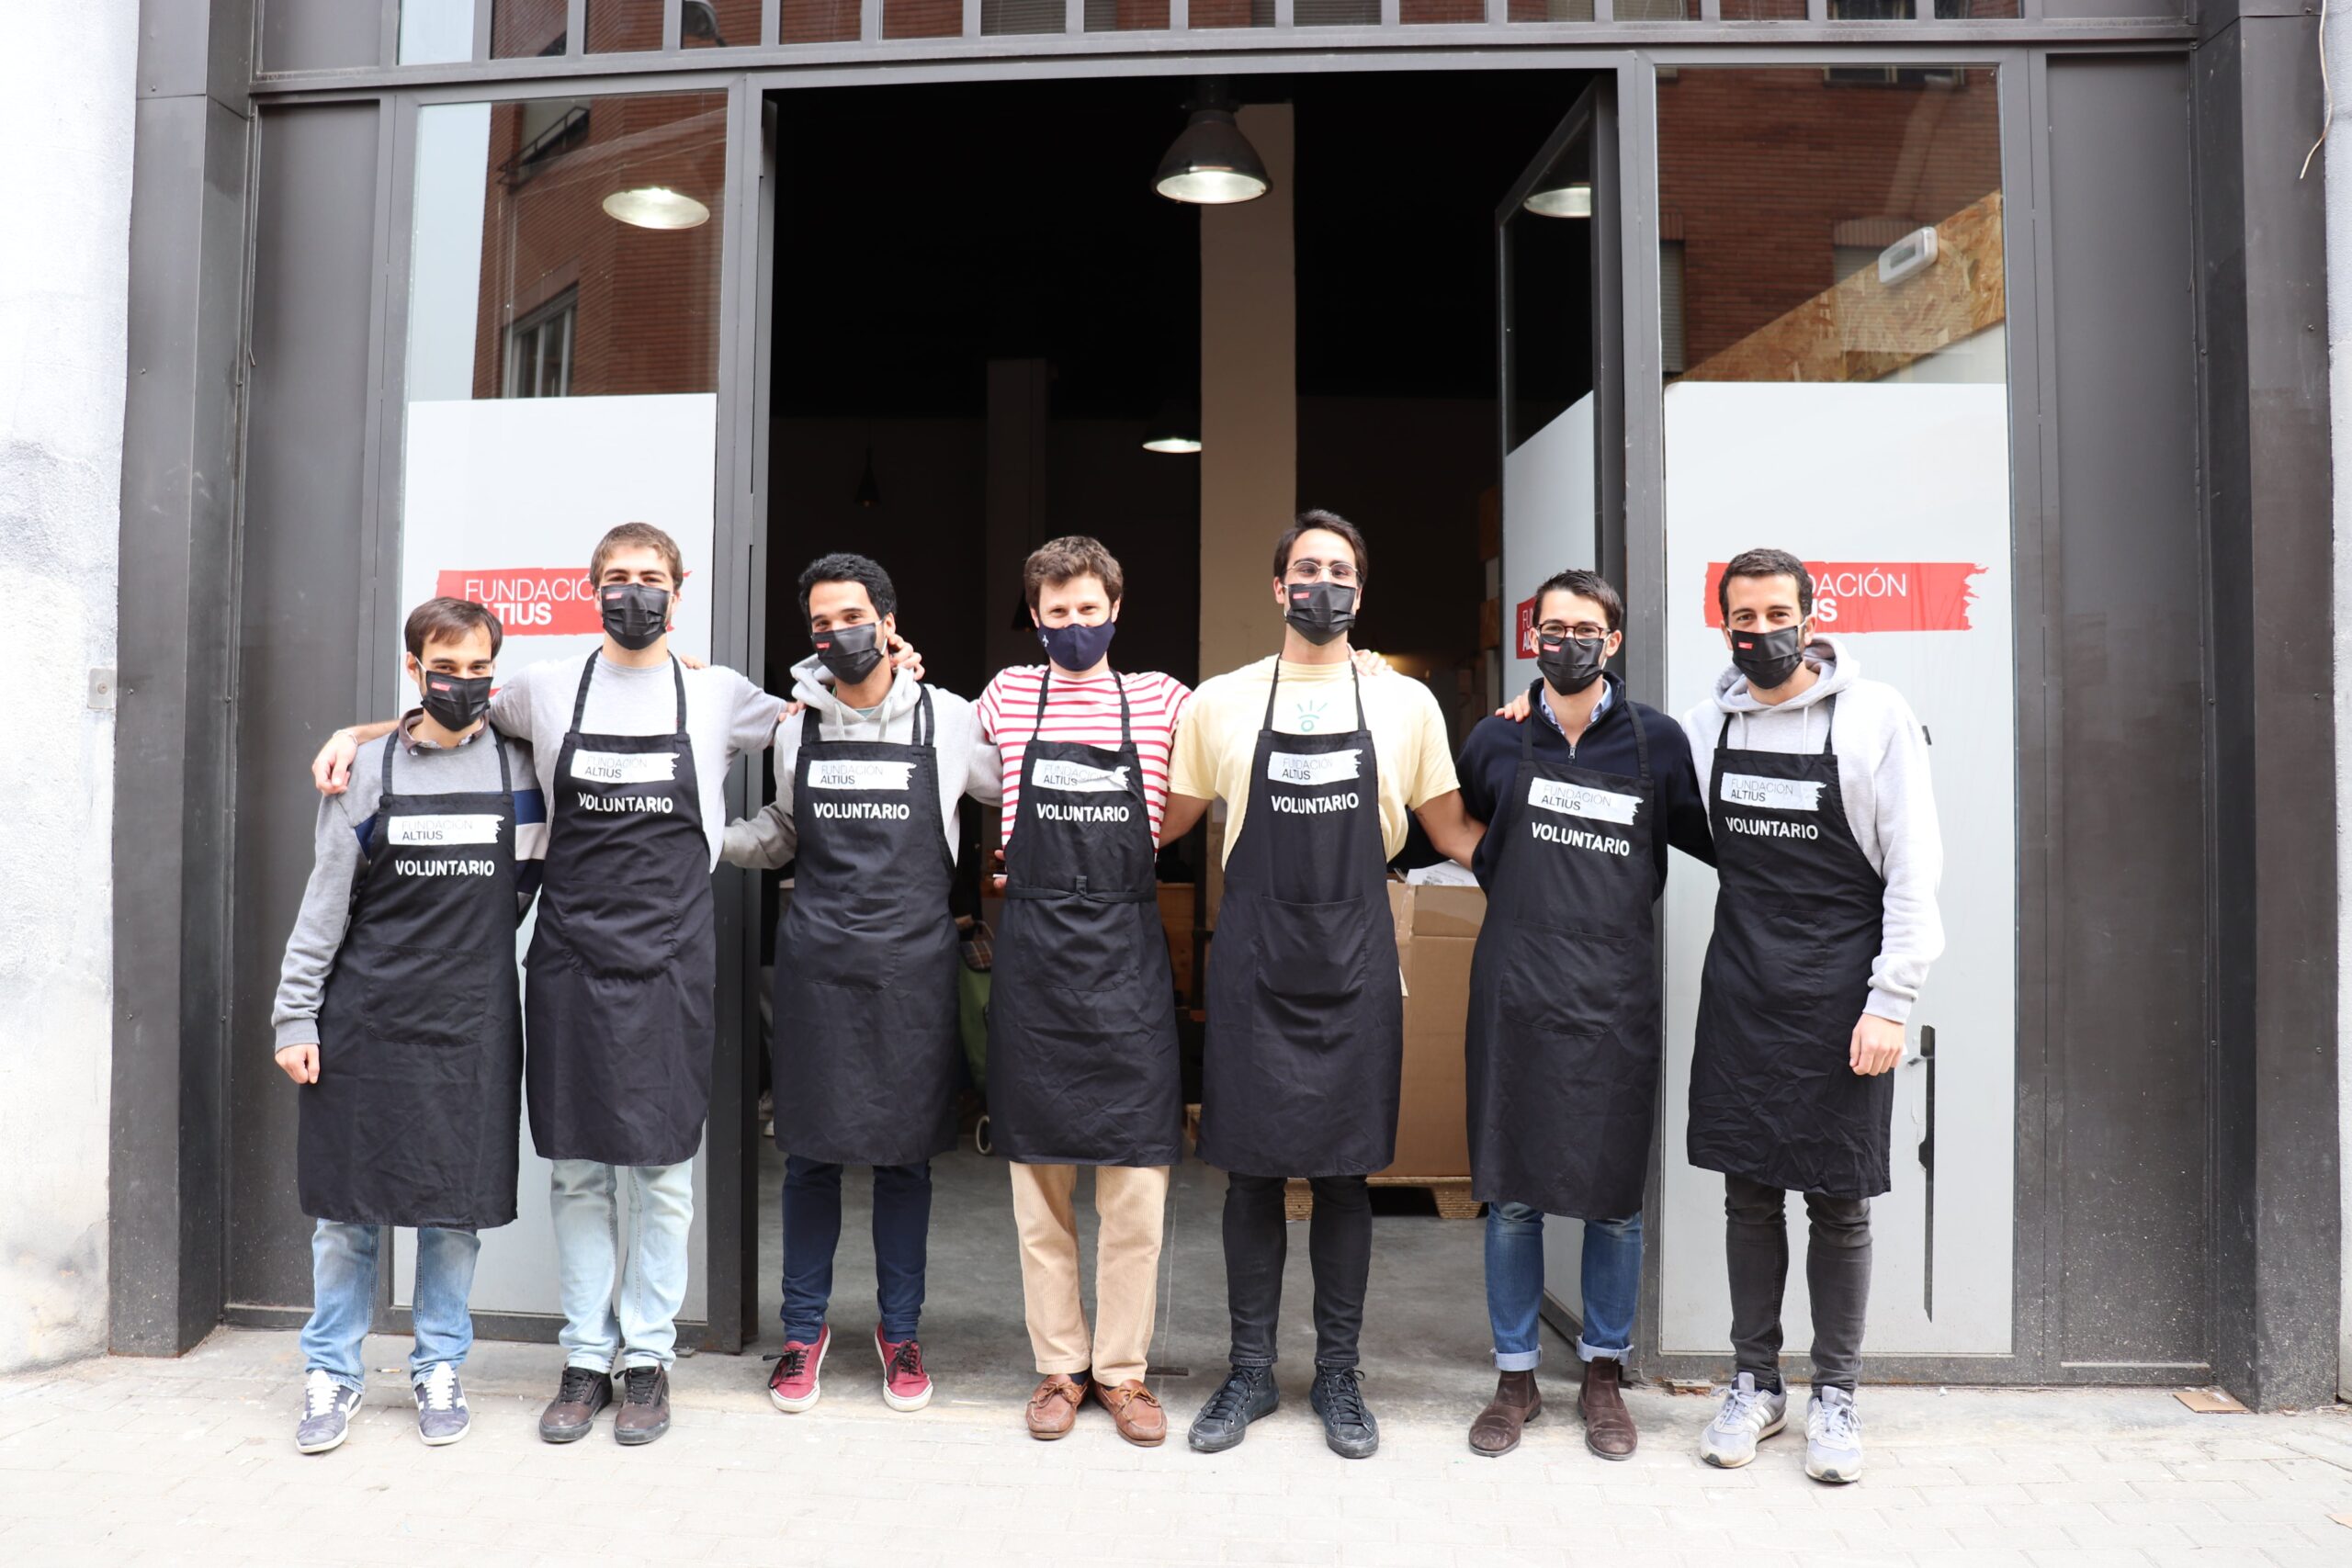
(1811, 800)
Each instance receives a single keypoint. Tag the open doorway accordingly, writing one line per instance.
(983, 311)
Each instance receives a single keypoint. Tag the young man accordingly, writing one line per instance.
(1317, 768)
(633, 748)
(1083, 1067)
(867, 1048)
(399, 1012)
(1826, 923)
(1580, 801)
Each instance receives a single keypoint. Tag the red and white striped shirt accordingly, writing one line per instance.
(1084, 711)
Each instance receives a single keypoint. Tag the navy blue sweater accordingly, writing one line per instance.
(1489, 770)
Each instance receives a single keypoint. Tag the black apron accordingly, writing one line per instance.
(1306, 1047)
(624, 969)
(867, 1047)
(1798, 918)
(1083, 1067)
(1563, 990)
(412, 1119)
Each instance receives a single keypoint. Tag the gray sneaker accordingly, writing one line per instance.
(327, 1408)
(441, 1413)
(1833, 1437)
(1749, 1416)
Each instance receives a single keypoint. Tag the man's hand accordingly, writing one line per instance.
(904, 657)
(1519, 710)
(331, 768)
(1876, 1047)
(301, 1062)
(1369, 663)
(690, 661)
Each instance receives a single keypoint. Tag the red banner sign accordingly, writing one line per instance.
(1526, 633)
(1876, 596)
(531, 601)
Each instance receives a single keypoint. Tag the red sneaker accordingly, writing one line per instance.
(905, 1385)
(792, 1387)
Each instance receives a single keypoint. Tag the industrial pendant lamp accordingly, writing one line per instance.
(1211, 164)
(1566, 198)
(869, 494)
(656, 207)
(1175, 428)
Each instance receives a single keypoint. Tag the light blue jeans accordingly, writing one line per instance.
(621, 1313)
(342, 1297)
(1612, 1285)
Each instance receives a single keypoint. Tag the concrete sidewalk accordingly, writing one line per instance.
(192, 1462)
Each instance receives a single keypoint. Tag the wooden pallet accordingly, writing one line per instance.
(1451, 1193)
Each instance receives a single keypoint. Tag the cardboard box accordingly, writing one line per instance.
(1437, 930)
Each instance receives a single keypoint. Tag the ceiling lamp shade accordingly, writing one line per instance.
(1570, 198)
(1211, 164)
(1176, 428)
(656, 207)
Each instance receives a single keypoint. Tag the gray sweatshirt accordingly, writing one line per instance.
(1890, 799)
(339, 855)
(968, 766)
(725, 715)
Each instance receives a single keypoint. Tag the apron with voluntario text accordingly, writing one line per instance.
(1563, 1048)
(412, 1119)
(867, 1047)
(1083, 1066)
(1798, 922)
(622, 992)
(1305, 1048)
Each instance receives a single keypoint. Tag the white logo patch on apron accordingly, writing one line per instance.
(1772, 794)
(1077, 777)
(428, 831)
(1575, 800)
(1311, 768)
(841, 774)
(625, 767)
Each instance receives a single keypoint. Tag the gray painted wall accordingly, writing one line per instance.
(2336, 163)
(66, 100)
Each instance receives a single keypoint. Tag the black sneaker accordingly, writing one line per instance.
(569, 1416)
(1347, 1425)
(1246, 1394)
(645, 1406)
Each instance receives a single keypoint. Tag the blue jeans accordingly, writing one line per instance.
(649, 1285)
(343, 1296)
(1612, 1285)
(812, 1229)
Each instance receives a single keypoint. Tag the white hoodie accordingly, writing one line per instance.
(968, 766)
(1890, 799)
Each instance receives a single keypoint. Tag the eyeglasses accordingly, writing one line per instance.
(1308, 570)
(1583, 631)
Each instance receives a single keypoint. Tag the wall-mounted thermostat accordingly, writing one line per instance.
(1915, 252)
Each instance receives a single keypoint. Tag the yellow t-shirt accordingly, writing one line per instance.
(1218, 737)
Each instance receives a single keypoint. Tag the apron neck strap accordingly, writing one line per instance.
(390, 745)
(1640, 737)
(498, 744)
(926, 723)
(810, 733)
(1527, 730)
(1355, 679)
(1829, 728)
(1126, 735)
(580, 701)
(678, 673)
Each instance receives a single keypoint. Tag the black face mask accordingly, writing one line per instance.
(455, 702)
(1320, 612)
(850, 652)
(1767, 658)
(1570, 664)
(635, 614)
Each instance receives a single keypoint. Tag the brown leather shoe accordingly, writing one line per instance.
(573, 1411)
(1607, 1425)
(1516, 1403)
(1053, 1408)
(1136, 1413)
(645, 1406)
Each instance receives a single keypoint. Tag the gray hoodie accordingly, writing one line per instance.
(968, 766)
(1890, 799)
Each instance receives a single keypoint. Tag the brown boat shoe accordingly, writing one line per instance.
(1053, 1408)
(1516, 1403)
(1607, 1425)
(1135, 1410)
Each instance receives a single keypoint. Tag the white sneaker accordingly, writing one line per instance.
(442, 1415)
(1833, 1437)
(327, 1408)
(1749, 1416)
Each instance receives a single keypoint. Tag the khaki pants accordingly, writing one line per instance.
(1131, 1202)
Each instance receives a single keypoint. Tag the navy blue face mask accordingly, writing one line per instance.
(1076, 648)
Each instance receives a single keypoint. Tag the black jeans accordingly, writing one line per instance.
(1339, 1244)
(812, 1228)
(1837, 1279)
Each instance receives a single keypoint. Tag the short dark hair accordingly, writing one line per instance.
(1585, 585)
(449, 620)
(1765, 563)
(1329, 523)
(638, 535)
(843, 566)
(1058, 561)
